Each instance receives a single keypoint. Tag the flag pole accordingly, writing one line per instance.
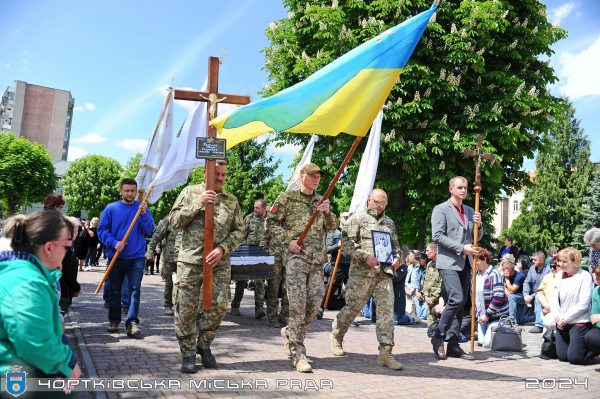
(331, 185)
(477, 189)
(337, 262)
(112, 262)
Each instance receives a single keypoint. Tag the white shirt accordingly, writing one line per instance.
(572, 297)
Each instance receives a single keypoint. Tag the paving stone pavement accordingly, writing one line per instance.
(250, 354)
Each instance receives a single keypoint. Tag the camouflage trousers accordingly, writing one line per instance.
(167, 272)
(189, 315)
(259, 293)
(273, 293)
(305, 290)
(360, 289)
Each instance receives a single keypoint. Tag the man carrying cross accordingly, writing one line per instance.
(452, 225)
(188, 214)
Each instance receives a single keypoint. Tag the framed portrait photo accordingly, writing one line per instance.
(382, 247)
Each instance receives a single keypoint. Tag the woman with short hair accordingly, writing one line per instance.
(592, 238)
(571, 308)
(30, 327)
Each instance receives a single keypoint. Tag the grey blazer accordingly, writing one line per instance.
(451, 235)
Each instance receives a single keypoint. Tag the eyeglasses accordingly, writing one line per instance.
(554, 267)
(380, 203)
(63, 243)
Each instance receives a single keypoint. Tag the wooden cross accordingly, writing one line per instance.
(213, 97)
(478, 154)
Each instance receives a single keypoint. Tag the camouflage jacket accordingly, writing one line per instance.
(254, 227)
(358, 242)
(433, 283)
(188, 215)
(288, 218)
(268, 243)
(167, 234)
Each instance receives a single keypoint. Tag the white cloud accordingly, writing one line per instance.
(7, 66)
(578, 75)
(90, 138)
(75, 153)
(563, 11)
(135, 145)
(78, 109)
(287, 149)
(90, 107)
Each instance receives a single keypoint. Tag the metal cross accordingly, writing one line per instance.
(478, 154)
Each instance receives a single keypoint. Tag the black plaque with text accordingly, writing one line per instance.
(210, 148)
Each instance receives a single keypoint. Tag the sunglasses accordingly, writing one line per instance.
(63, 243)
(554, 267)
(344, 217)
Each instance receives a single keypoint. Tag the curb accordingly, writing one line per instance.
(85, 355)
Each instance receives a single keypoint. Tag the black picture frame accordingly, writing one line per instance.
(384, 255)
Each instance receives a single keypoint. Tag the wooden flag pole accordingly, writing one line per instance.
(331, 185)
(112, 262)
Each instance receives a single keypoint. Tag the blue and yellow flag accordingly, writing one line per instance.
(342, 97)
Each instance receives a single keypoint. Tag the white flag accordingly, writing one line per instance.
(306, 158)
(158, 146)
(181, 158)
(368, 167)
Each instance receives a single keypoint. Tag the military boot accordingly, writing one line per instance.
(274, 323)
(208, 360)
(189, 365)
(302, 365)
(386, 359)
(336, 346)
(169, 311)
(259, 313)
(283, 321)
(236, 311)
(286, 344)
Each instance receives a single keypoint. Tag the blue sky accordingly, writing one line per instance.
(116, 58)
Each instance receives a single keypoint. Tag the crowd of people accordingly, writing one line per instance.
(40, 256)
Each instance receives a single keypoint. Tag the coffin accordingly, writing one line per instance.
(251, 262)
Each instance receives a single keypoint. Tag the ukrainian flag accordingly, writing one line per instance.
(342, 97)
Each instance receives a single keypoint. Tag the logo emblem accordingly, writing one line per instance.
(15, 381)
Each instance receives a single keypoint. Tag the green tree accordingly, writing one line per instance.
(91, 183)
(131, 168)
(475, 71)
(590, 217)
(551, 208)
(27, 173)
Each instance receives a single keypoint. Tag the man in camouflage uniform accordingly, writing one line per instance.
(269, 244)
(368, 279)
(188, 214)
(303, 263)
(164, 232)
(432, 287)
(254, 227)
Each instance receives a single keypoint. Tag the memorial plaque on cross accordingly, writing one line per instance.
(213, 97)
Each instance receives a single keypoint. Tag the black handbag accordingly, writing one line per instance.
(548, 350)
(506, 338)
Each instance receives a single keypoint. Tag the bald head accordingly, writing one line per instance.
(377, 200)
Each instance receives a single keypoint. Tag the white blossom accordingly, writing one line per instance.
(322, 25)
(334, 5)
(453, 30)
(329, 162)
(457, 135)
(427, 92)
(291, 14)
(433, 17)
(505, 14)
(399, 102)
(535, 30)
(481, 51)
(443, 74)
(463, 33)
(417, 97)
(514, 44)
(272, 26)
(442, 165)
(556, 23)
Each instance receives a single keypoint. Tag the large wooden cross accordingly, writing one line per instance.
(213, 97)
(478, 154)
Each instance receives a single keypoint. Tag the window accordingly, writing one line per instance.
(515, 205)
(11, 96)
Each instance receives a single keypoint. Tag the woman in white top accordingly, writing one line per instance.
(571, 308)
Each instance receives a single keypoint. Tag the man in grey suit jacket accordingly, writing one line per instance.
(452, 225)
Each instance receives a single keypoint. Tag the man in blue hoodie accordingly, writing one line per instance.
(115, 221)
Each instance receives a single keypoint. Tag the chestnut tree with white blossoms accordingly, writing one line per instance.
(481, 67)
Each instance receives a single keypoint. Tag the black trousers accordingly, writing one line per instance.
(570, 344)
(341, 276)
(457, 284)
(592, 340)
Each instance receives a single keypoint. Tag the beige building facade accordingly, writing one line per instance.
(40, 114)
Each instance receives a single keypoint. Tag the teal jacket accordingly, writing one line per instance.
(596, 303)
(30, 327)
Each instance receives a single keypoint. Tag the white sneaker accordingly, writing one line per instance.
(87, 268)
